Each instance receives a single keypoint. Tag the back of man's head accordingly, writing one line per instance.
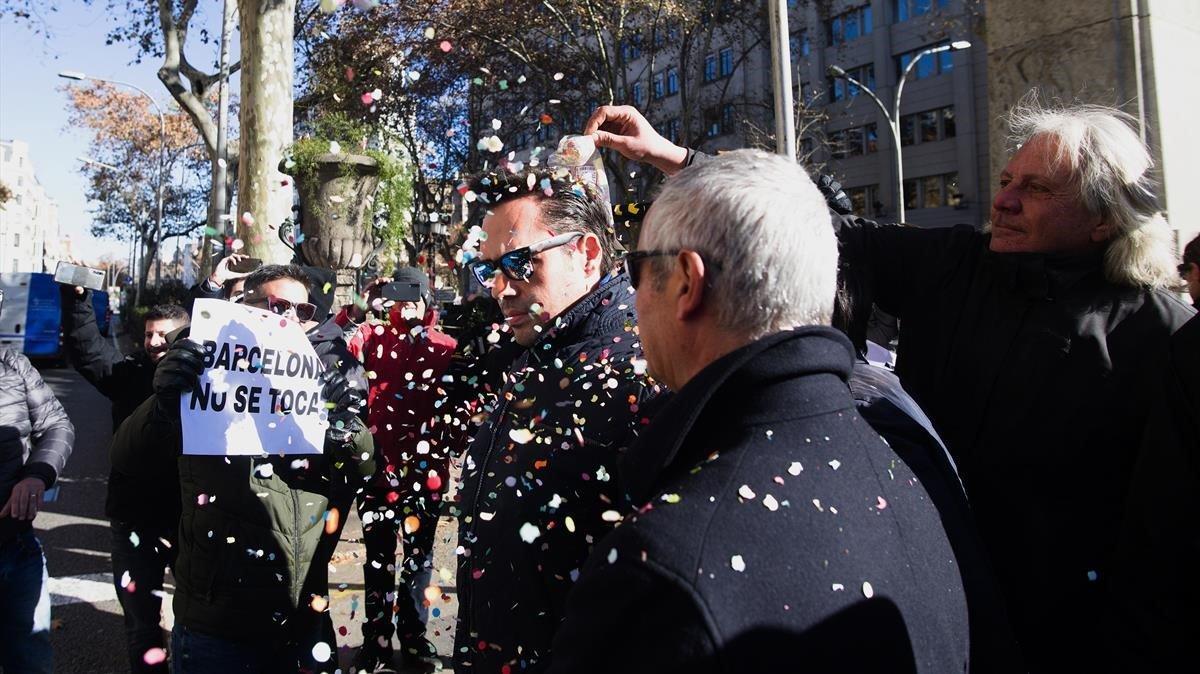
(762, 221)
(1111, 170)
(565, 204)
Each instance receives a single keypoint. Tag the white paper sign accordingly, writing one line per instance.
(259, 392)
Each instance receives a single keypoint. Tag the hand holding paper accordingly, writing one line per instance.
(178, 372)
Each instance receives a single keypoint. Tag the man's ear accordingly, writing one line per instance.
(690, 272)
(1103, 231)
(593, 254)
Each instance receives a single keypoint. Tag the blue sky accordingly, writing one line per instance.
(33, 110)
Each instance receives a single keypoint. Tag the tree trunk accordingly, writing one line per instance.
(266, 126)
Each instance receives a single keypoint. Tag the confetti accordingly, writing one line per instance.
(412, 523)
(558, 76)
(522, 436)
(321, 652)
(612, 555)
(795, 468)
(746, 492)
(738, 563)
(319, 604)
(332, 517)
(881, 504)
(867, 590)
(529, 533)
(154, 656)
(446, 46)
(838, 587)
(835, 464)
(429, 33)
(770, 503)
(610, 516)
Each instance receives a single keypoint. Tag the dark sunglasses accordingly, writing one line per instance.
(633, 262)
(517, 264)
(279, 306)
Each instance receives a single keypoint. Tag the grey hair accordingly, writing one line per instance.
(1111, 168)
(760, 217)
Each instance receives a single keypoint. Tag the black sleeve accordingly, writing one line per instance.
(896, 267)
(93, 355)
(205, 291)
(627, 615)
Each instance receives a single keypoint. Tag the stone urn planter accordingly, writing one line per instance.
(337, 201)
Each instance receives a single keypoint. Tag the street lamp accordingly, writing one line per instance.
(162, 156)
(894, 116)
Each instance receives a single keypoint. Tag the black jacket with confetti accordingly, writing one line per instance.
(779, 534)
(539, 483)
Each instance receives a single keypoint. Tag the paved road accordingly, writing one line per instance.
(88, 635)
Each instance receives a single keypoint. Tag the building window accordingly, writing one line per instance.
(907, 9)
(928, 126)
(850, 26)
(712, 123)
(16, 264)
(840, 87)
(931, 65)
(658, 85)
(16, 239)
(932, 191)
(631, 48)
(710, 68)
(726, 62)
(672, 80)
(639, 94)
(727, 118)
(864, 200)
(854, 142)
(671, 130)
(800, 46)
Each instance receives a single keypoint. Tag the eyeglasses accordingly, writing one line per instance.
(517, 264)
(304, 311)
(633, 260)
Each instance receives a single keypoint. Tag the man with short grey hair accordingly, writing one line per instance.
(776, 527)
(1030, 346)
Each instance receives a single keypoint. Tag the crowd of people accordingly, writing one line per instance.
(678, 457)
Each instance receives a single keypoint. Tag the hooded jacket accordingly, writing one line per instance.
(1036, 371)
(776, 533)
(36, 436)
(406, 396)
(539, 478)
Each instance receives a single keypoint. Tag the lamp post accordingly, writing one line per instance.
(893, 117)
(162, 155)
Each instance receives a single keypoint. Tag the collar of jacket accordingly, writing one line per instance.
(737, 385)
(325, 332)
(590, 315)
(1045, 275)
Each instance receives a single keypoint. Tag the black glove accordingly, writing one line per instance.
(835, 197)
(345, 401)
(178, 371)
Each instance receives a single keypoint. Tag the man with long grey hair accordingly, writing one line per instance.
(1029, 345)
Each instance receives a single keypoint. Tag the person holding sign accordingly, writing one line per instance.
(240, 399)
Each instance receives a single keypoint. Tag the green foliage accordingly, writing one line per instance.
(395, 189)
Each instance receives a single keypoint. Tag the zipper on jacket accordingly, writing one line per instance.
(487, 459)
(296, 580)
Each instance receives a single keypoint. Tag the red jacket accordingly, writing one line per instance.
(406, 396)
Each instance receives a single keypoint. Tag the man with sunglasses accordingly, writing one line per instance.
(257, 533)
(539, 478)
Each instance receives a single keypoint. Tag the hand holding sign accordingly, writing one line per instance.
(259, 391)
(344, 401)
(179, 371)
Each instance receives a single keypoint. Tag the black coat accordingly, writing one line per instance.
(141, 489)
(779, 533)
(891, 412)
(544, 464)
(1154, 594)
(125, 380)
(1034, 370)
